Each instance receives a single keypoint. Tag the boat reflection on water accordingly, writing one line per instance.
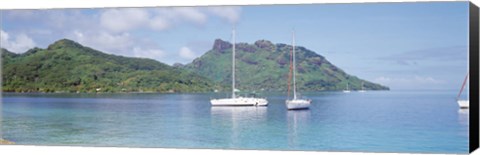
(463, 116)
(297, 122)
(463, 112)
(237, 121)
(239, 113)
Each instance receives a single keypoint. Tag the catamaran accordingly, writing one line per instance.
(463, 104)
(295, 103)
(234, 100)
(347, 90)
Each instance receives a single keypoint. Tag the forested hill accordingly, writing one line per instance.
(66, 66)
(265, 66)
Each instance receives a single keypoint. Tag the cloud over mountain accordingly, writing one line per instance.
(114, 30)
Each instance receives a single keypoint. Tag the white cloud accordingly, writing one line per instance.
(120, 44)
(104, 41)
(79, 35)
(4, 36)
(190, 14)
(114, 41)
(179, 15)
(20, 44)
(412, 79)
(186, 53)
(232, 14)
(410, 82)
(148, 53)
(428, 80)
(120, 20)
(159, 23)
(119, 31)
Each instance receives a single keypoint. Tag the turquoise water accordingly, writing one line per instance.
(381, 121)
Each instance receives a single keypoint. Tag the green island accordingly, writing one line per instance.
(66, 66)
(265, 66)
(69, 67)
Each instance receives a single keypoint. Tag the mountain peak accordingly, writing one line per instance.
(6, 53)
(67, 66)
(264, 66)
(4, 50)
(32, 51)
(265, 44)
(62, 43)
(221, 45)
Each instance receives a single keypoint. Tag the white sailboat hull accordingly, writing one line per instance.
(297, 104)
(463, 104)
(237, 101)
(240, 101)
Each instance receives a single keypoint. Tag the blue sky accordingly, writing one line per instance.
(401, 45)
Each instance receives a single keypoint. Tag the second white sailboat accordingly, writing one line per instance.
(465, 103)
(363, 89)
(347, 90)
(295, 103)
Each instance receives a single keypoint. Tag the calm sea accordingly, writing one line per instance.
(375, 121)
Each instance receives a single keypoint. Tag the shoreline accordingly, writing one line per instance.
(150, 92)
(6, 142)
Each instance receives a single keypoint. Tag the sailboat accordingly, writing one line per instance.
(463, 104)
(234, 100)
(295, 103)
(347, 90)
(363, 89)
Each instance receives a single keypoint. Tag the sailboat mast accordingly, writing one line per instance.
(233, 63)
(463, 86)
(294, 66)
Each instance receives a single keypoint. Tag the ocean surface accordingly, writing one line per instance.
(374, 121)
